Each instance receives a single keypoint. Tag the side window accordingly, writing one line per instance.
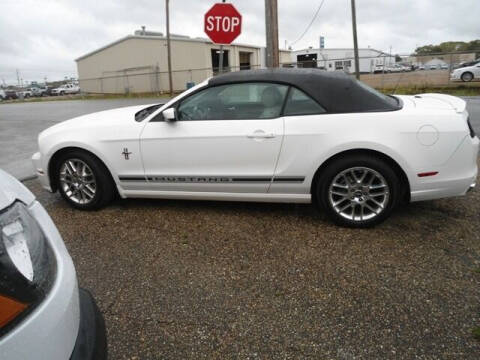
(299, 103)
(242, 101)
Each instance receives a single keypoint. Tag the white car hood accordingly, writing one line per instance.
(102, 118)
(11, 190)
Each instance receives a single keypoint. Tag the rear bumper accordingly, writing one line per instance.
(91, 343)
(455, 178)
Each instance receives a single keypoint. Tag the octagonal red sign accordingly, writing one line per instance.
(223, 23)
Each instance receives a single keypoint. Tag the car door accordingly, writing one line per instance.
(225, 139)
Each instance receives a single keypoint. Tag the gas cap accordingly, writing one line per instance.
(427, 135)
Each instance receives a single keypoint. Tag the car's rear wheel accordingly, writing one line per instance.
(467, 77)
(84, 181)
(358, 191)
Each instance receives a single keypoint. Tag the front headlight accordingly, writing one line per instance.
(27, 265)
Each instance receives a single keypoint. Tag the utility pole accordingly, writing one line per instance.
(169, 55)
(355, 41)
(18, 78)
(220, 56)
(271, 25)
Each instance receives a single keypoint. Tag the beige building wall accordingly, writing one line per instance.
(138, 64)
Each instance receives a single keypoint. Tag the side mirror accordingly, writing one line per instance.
(169, 115)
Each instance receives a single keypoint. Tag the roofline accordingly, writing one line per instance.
(153, 37)
(318, 49)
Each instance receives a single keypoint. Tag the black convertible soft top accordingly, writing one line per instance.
(336, 91)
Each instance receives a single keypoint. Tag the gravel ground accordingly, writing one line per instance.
(216, 280)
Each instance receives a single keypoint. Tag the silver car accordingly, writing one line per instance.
(43, 314)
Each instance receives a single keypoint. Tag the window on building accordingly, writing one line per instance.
(299, 103)
(338, 65)
(347, 63)
(234, 102)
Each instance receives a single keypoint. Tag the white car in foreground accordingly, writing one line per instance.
(43, 315)
(284, 135)
(466, 74)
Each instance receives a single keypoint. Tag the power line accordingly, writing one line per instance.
(309, 25)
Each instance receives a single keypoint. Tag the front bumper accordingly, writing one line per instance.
(41, 172)
(91, 341)
(50, 330)
(455, 76)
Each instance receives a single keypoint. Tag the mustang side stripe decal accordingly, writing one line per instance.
(212, 179)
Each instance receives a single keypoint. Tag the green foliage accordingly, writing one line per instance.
(449, 46)
(476, 333)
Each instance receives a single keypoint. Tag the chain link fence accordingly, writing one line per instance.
(381, 72)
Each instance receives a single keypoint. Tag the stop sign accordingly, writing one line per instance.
(223, 23)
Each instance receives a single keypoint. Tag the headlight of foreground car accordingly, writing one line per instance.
(27, 265)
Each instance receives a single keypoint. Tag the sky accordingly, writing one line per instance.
(42, 38)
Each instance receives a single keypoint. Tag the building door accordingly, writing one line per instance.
(307, 60)
(216, 60)
(245, 60)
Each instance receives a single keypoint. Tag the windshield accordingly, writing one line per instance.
(391, 100)
(143, 114)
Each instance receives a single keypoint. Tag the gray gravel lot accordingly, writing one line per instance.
(215, 280)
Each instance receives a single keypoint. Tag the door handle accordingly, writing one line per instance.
(261, 135)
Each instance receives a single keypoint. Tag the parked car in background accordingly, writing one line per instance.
(43, 313)
(466, 74)
(466, 64)
(9, 94)
(41, 91)
(444, 67)
(25, 93)
(66, 89)
(282, 135)
(433, 67)
(421, 67)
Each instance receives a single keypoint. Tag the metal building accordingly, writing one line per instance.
(331, 59)
(138, 63)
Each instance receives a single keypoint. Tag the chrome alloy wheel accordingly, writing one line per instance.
(359, 193)
(77, 181)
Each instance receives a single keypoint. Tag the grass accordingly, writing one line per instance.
(456, 91)
(89, 97)
(476, 333)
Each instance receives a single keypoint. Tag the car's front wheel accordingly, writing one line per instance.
(467, 77)
(84, 181)
(358, 191)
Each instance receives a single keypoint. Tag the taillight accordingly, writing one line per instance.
(472, 133)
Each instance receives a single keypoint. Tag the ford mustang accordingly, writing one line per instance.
(282, 135)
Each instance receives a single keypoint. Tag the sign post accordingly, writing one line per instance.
(223, 24)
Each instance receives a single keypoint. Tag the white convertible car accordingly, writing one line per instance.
(284, 135)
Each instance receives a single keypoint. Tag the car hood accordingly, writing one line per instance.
(11, 190)
(434, 101)
(107, 118)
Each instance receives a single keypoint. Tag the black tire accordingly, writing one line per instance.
(467, 76)
(62, 93)
(330, 173)
(104, 184)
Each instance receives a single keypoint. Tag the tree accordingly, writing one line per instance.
(449, 46)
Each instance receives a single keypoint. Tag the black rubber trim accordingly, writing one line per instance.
(212, 179)
(289, 179)
(91, 341)
(132, 178)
